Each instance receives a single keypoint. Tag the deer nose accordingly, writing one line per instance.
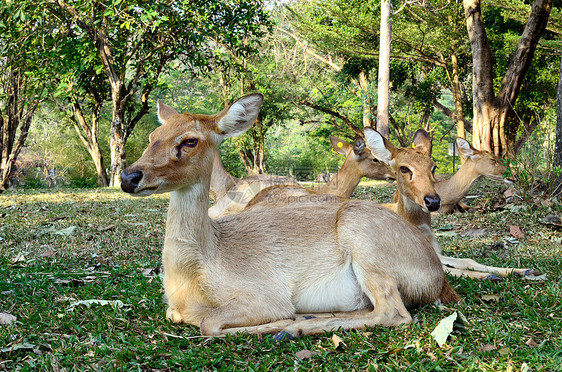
(432, 202)
(130, 181)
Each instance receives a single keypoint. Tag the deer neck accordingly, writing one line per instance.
(454, 188)
(414, 214)
(344, 182)
(188, 221)
(221, 180)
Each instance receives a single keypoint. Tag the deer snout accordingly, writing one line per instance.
(130, 181)
(432, 202)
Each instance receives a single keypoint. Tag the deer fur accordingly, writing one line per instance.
(353, 264)
(415, 185)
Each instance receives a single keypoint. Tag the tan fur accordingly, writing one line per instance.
(477, 164)
(409, 206)
(256, 271)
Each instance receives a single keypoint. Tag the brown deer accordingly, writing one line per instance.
(417, 197)
(359, 163)
(477, 164)
(354, 264)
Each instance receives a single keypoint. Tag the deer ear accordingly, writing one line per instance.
(359, 147)
(380, 147)
(465, 150)
(240, 116)
(340, 146)
(422, 141)
(165, 111)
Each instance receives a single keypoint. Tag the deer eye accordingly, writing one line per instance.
(375, 160)
(190, 142)
(404, 169)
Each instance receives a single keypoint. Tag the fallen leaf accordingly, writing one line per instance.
(516, 232)
(338, 342)
(305, 354)
(530, 342)
(474, 232)
(508, 193)
(445, 227)
(66, 232)
(504, 351)
(89, 303)
(490, 298)
(7, 319)
(488, 347)
(106, 228)
(444, 329)
(539, 278)
(20, 257)
(24, 346)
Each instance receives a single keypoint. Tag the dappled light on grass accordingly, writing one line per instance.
(112, 257)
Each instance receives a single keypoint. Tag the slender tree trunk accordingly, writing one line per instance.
(365, 99)
(457, 96)
(557, 188)
(384, 71)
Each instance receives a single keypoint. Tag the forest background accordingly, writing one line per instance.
(79, 81)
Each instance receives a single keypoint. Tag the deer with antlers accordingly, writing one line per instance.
(353, 264)
(417, 197)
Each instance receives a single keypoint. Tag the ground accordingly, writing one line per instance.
(58, 248)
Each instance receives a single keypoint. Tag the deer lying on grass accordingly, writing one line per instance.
(359, 163)
(477, 164)
(254, 271)
(417, 197)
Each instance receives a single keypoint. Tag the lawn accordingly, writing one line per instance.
(59, 249)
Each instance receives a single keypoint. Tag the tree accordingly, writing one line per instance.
(384, 70)
(137, 40)
(22, 79)
(558, 144)
(492, 112)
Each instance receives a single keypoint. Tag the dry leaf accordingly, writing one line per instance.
(508, 193)
(516, 232)
(305, 354)
(7, 319)
(337, 341)
(20, 257)
(106, 228)
(530, 342)
(474, 232)
(488, 347)
(490, 298)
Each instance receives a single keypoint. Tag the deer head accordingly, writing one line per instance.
(180, 152)
(485, 163)
(413, 166)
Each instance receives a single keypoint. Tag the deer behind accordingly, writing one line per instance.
(255, 271)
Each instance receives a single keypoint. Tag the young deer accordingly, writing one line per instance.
(477, 164)
(417, 197)
(359, 163)
(254, 271)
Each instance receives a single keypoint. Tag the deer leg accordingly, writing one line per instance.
(467, 267)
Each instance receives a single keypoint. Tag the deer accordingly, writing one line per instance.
(359, 163)
(418, 197)
(352, 264)
(477, 164)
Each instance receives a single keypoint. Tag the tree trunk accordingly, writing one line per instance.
(557, 187)
(491, 113)
(457, 96)
(384, 71)
(365, 99)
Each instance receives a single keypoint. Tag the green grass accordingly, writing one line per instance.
(117, 241)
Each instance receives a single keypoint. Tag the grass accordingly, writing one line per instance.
(62, 246)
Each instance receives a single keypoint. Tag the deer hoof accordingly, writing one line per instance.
(493, 278)
(283, 336)
(528, 272)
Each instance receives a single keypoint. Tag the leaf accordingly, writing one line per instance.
(305, 354)
(516, 232)
(106, 228)
(338, 342)
(445, 227)
(7, 319)
(445, 327)
(490, 298)
(89, 303)
(20, 257)
(488, 347)
(23, 346)
(474, 232)
(539, 278)
(530, 342)
(66, 232)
